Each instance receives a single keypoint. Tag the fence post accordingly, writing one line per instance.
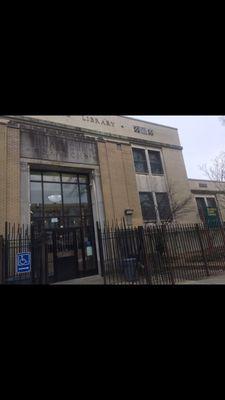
(44, 258)
(202, 249)
(223, 235)
(1, 260)
(6, 255)
(46, 261)
(33, 261)
(102, 264)
(142, 246)
(171, 272)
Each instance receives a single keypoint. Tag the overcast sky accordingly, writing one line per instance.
(202, 138)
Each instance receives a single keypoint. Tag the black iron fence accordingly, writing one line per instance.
(156, 255)
(22, 256)
(29, 255)
(165, 254)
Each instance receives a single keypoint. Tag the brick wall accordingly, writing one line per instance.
(9, 175)
(118, 182)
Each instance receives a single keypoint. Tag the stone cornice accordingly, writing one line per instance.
(42, 127)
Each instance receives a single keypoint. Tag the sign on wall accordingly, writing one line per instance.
(107, 122)
(212, 217)
(23, 262)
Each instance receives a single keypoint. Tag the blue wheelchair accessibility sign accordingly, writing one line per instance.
(23, 262)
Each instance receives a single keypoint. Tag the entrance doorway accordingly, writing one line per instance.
(61, 207)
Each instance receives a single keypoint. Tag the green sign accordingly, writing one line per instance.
(212, 217)
(212, 211)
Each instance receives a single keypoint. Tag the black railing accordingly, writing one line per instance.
(19, 240)
(54, 256)
(165, 254)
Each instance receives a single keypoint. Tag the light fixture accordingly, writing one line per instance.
(129, 211)
(55, 198)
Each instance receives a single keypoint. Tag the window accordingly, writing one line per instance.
(147, 206)
(204, 205)
(155, 162)
(211, 202)
(140, 161)
(163, 204)
(60, 199)
(51, 177)
(201, 208)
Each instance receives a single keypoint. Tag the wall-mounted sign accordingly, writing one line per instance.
(89, 251)
(23, 262)
(54, 220)
(212, 217)
(98, 121)
(107, 122)
(212, 211)
(144, 131)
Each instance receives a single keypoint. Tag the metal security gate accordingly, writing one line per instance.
(65, 254)
(71, 253)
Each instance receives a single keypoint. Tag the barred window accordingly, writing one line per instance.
(140, 161)
(147, 206)
(164, 209)
(155, 162)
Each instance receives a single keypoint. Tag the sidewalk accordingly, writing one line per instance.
(91, 280)
(211, 280)
(98, 280)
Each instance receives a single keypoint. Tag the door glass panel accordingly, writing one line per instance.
(83, 194)
(85, 200)
(36, 200)
(52, 200)
(71, 200)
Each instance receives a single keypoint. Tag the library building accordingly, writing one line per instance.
(68, 173)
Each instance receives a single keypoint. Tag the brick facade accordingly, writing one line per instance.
(79, 143)
(118, 182)
(9, 174)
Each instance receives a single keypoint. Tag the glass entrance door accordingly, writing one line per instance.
(61, 205)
